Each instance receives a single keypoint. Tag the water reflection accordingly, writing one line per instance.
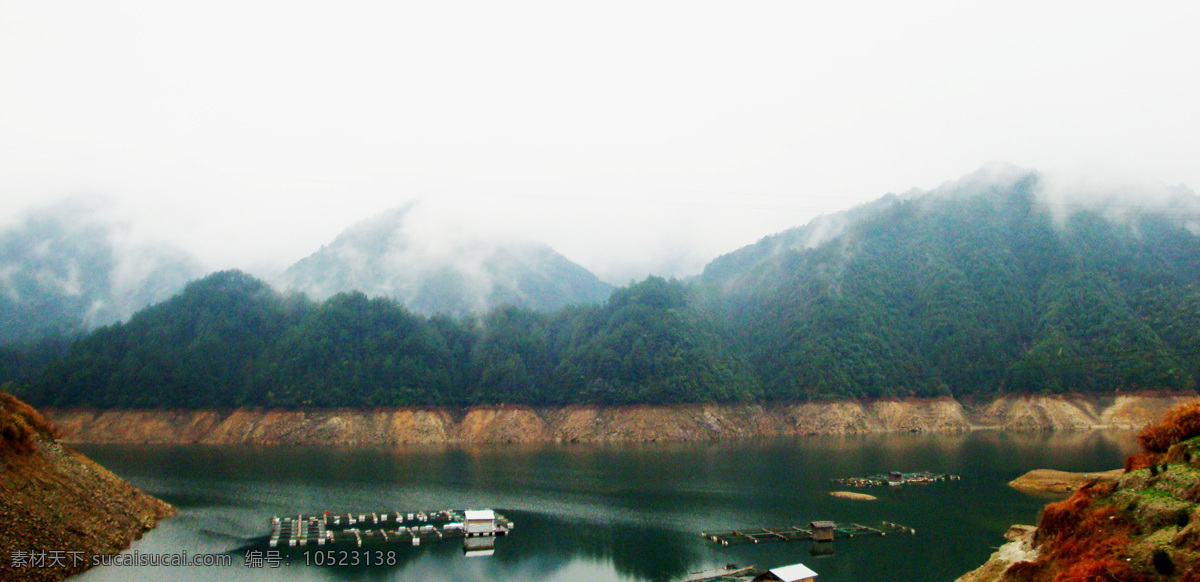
(613, 512)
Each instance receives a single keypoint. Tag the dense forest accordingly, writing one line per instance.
(975, 288)
(230, 339)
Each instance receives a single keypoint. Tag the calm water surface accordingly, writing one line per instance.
(608, 512)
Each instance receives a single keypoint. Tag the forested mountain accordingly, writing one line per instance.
(453, 273)
(229, 339)
(70, 267)
(983, 285)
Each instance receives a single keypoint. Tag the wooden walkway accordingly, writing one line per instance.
(795, 533)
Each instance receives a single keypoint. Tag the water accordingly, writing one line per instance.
(608, 512)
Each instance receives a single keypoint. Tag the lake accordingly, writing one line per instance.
(607, 512)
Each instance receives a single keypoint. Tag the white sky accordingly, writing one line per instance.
(634, 137)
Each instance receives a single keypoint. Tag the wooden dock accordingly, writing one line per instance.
(795, 533)
(728, 574)
(378, 528)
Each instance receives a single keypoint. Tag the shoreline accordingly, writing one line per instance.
(581, 423)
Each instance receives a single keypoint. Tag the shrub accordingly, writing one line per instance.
(15, 435)
(1180, 424)
(31, 417)
(1064, 517)
(1082, 540)
(20, 424)
(1139, 461)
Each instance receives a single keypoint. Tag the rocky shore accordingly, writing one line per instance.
(1137, 524)
(1020, 548)
(645, 423)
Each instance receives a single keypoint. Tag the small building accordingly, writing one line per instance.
(895, 478)
(793, 573)
(479, 521)
(822, 531)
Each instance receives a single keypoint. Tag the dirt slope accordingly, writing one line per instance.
(386, 426)
(57, 507)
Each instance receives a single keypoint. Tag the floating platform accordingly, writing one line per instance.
(817, 531)
(730, 573)
(383, 528)
(897, 478)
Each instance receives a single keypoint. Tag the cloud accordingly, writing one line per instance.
(75, 264)
(1119, 198)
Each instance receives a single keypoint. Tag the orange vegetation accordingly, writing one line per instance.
(19, 423)
(1081, 541)
(1087, 538)
(1140, 461)
(1182, 423)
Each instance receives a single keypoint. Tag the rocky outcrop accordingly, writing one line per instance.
(642, 423)
(1019, 548)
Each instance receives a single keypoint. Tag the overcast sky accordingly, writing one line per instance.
(634, 137)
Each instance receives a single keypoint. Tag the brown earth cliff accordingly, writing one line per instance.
(644, 423)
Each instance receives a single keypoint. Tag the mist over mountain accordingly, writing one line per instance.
(438, 268)
(999, 280)
(72, 266)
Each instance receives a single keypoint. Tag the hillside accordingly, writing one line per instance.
(59, 505)
(1145, 527)
(391, 255)
(987, 283)
(983, 287)
(231, 340)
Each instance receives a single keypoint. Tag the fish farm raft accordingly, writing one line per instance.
(897, 478)
(818, 531)
(361, 529)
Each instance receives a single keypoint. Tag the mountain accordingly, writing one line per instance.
(229, 339)
(995, 283)
(447, 271)
(990, 282)
(69, 267)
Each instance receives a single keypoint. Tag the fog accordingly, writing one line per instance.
(632, 137)
(77, 264)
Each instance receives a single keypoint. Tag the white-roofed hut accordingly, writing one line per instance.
(793, 573)
(479, 522)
